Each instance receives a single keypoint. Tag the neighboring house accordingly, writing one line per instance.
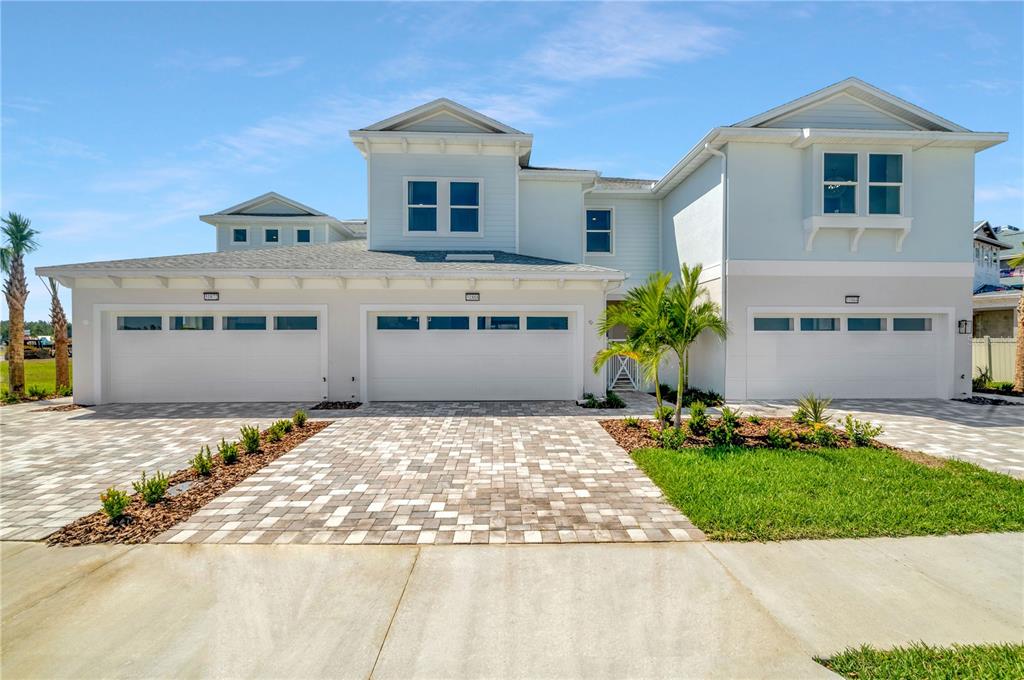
(987, 251)
(1014, 238)
(832, 230)
(995, 298)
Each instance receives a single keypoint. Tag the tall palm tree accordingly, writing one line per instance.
(19, 239)
(59, 321)
(642, 313)
(1018, 369)
(690, 311)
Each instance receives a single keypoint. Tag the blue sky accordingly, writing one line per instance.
(124, 121)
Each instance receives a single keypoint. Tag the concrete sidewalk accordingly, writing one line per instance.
(597, 611)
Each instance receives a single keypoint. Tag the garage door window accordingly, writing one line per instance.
(447, 323)
(907, 324)
(497, 323)
(770, 323)
(547, 323)
(865, 324)
(294, 323)
(398, 323)
(139, 323)
(819, 323)
(244, 323)
(191, 323)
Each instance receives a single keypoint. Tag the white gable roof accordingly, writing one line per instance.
(442, 115)
(272, 204)
(851, 103)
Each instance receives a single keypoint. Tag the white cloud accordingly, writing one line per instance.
(276, 68)
(994, 85)
(622, 39)
(999, 192)
(29, 104)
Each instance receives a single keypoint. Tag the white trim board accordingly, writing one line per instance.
(846, 268)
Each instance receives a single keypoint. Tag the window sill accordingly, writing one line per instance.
(857, 225)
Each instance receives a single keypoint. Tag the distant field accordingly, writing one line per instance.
(37, 372)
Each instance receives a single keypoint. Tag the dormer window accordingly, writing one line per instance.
(443, 206)
(271, 235)
(465, 206)
(885, 182)
(302, 236)
(422, 208)
(240, 235)
(840, 184)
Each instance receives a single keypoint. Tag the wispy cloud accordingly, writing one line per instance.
(220, 63)
(619, 40)
(276, 68)
(29, 104)
(994, 85)
(999, 192)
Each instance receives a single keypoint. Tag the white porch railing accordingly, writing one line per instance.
(621, 370)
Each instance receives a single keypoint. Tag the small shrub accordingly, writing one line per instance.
(612, 400)
(250, 438)
(861, 432)
(300, 418)
(9, 397)
(152, 489)
(274, 433)
(699, 422)
(65, 391)
(672, 438)
(821, 435)
(37, 391)
(980, 381)
(202, 462)
(731, 417)
(590, 401)
(810, 410)
(723, 434)
(706, 397)
(228, 452)
(664, 413)
(754, 419)
(632, 421)
(285, 425)
(1001, 386)
(779, 439)
(115, 502)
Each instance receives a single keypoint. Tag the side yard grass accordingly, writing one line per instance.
(42, 372)
(768, 494)
(983, 662)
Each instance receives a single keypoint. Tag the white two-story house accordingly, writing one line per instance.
(833, 230)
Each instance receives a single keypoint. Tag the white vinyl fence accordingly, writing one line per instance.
(994, 354)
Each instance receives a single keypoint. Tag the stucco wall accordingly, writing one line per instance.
(692, 220)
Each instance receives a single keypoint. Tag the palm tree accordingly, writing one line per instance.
(59, 321)
(1018, 369)
(19, 239)
(690, 311)
(642, 313)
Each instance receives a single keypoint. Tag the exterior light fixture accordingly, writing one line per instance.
(963, 326)
(853, 299)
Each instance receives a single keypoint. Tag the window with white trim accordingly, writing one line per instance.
(271, 235)
(818, 323)
(421, 205)
(839, 190)
(464, 198)
(191, 323)
(303, 235)
(599, 231)
(240, 235)
(773, 323)
(140, 323)
(885, 184)
(443, 206)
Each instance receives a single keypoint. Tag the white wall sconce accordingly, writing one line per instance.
(963, 326)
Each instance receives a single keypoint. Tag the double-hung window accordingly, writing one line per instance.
(465, 206)
(839, 191)
(271, 235)
(422, 201)
(599, 231)
(885, 183)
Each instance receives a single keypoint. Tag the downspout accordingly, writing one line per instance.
(725, 253)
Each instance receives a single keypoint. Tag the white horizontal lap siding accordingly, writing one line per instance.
(387, 186)
(843, 112)
(635, 235)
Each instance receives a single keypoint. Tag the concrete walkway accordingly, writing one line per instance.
(693, 610)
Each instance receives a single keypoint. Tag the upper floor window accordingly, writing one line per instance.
(239, 235)
(422, 200)
(599, 231)
(885, 183)
(465, 206)
(271, 235)
(302, 236)
(840, 184)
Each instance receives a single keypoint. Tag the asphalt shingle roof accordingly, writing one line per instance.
(333, 257)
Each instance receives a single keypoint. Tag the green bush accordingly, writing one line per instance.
(822, 435)
(228, 452)
(810, 410)
(779, 439)
(37, 391)
(612, 400)
(731, 417)
(754, 419)
(861, 432)
(981, 381)
(699, 422)
(723, 434)
(631, 421)
(300, 418)
(250, 438)
(672, 438)
(285, 425)
(664, 413)
(64, 391)
(115, 502)
(1001, 385)
(8, 397)
(202, 462)
(153, 488)
(275, 433)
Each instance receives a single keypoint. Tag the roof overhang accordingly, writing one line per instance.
(218, 219)
(559, 175)
(432, 108)
(519, 144)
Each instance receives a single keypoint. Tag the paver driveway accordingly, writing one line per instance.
(989, 436)
(54, 465)
(456, 472)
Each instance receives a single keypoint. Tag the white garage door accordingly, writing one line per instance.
(852, 356)
(249, 356)
(471, 356)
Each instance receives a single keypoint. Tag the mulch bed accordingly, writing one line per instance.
(752, 437)
(336, 405)
(61, 408)
(141, 522)
(990, 401)
(1005, 393)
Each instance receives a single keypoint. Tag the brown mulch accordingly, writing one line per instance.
(336, 405)
(141, 522)
(753, 437)
(62, 407)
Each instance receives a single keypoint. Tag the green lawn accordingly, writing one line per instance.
(771, 494)
(983, 662)
(37, 372)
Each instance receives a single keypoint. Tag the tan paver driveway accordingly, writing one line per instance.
(456, 472)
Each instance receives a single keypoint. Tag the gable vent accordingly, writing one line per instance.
(469, 257)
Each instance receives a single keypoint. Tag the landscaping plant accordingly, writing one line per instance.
(631, 421)
(228, 452)
(821, 435)
(663, 413)
(152, 489)
(778, 438)
(981, 381)
(284, 425)
(671, 437)
(59, 321)
(612, 400)
(754, 419)
(699, 422)
(115, 502)
(37, 391)
(202, 462)
(723, 434)
(861, 432)
(731, 417)
(250, 438)
(19, 240)
(810, 409)
(300, 418)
